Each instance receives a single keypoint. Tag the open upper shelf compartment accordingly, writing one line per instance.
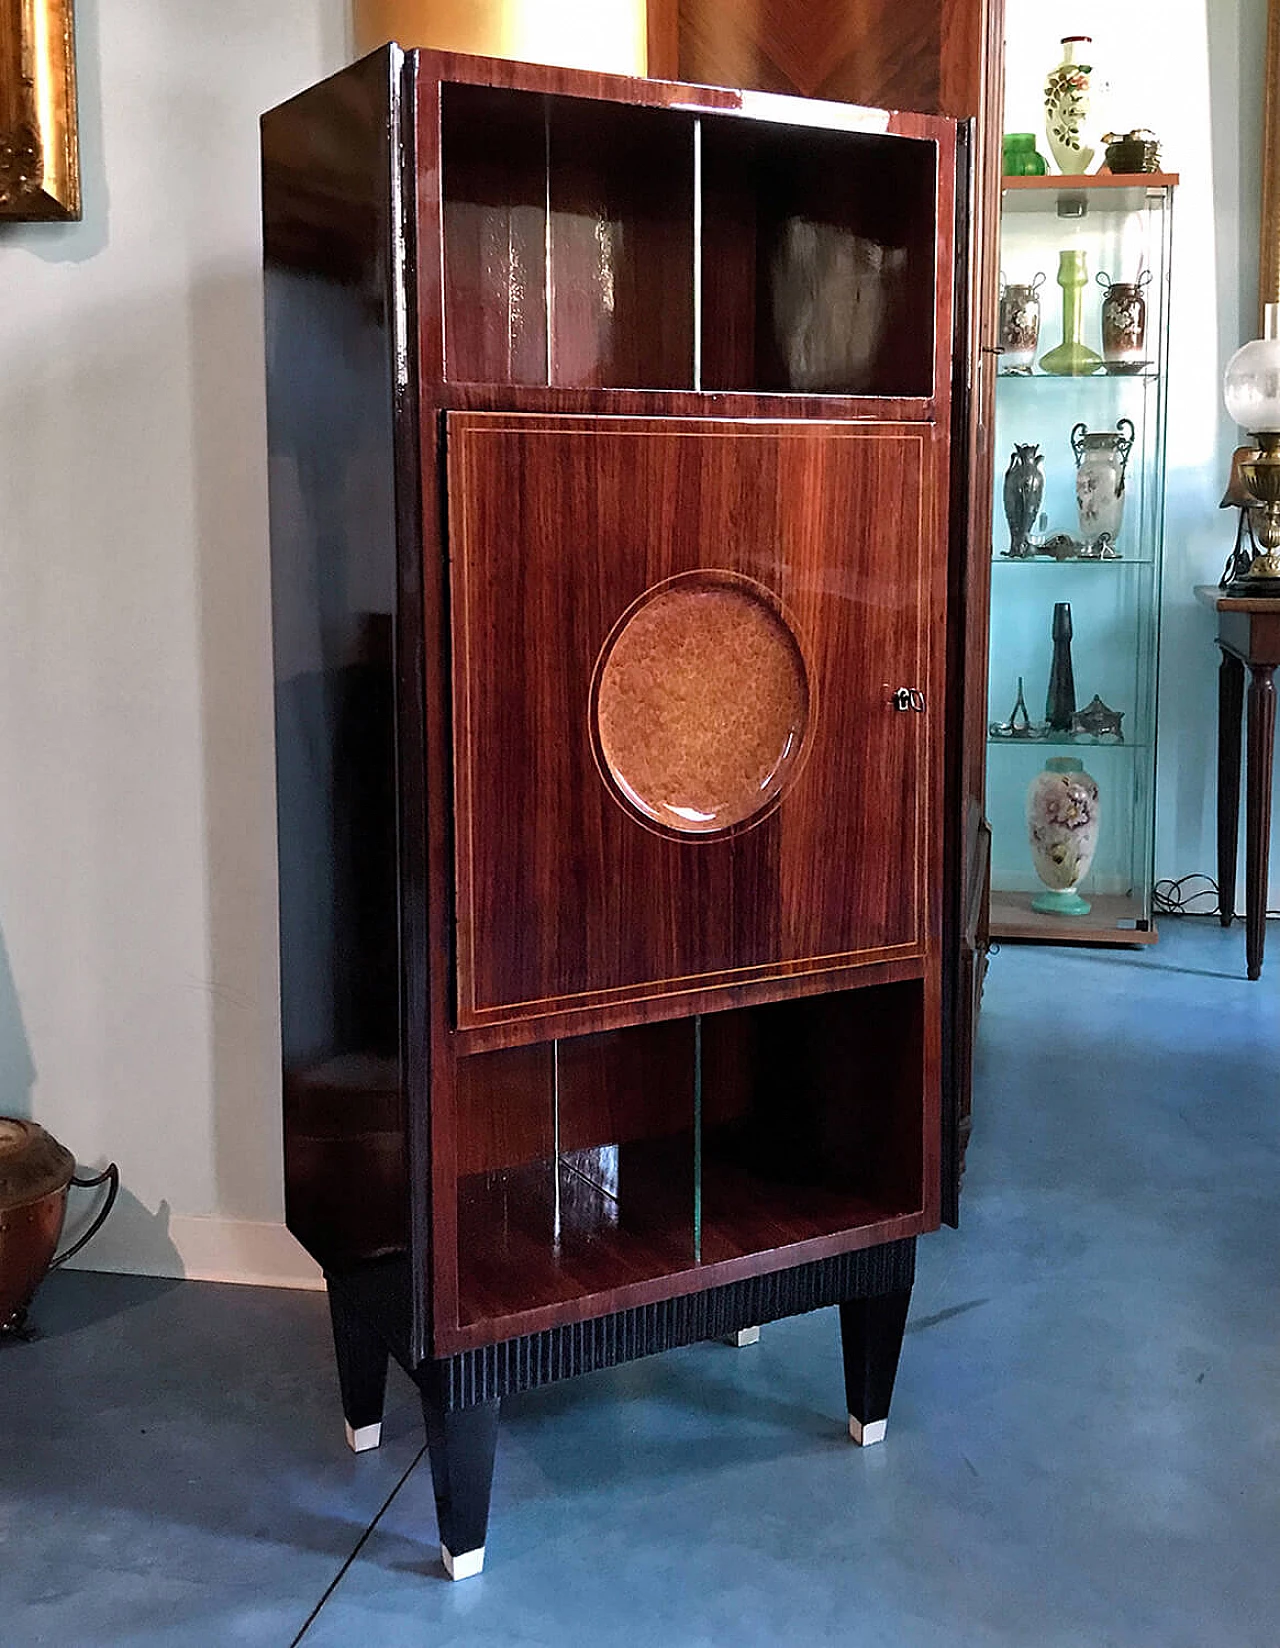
(601, 245)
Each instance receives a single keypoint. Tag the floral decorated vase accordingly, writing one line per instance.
(1067, 108)
(1018, 329)
(1062, 824)
(1101, 460)
(1124, 323)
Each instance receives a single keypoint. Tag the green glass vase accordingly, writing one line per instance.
(1021, 157)
(1071, 359)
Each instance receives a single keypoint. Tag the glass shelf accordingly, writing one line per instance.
(999, 559)
(1079, 378)
(1095, 192)
(1072, 745)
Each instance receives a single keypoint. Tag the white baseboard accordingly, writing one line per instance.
(204, 1250)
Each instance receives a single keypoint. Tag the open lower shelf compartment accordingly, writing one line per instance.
(595, 1165)
(593, 244)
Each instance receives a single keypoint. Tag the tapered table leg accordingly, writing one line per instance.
(362, 1372)
(461, 1445)
(1262, 728)
(871, 1337)
(1230, 708)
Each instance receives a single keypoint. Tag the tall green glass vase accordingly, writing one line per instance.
(1071, 359)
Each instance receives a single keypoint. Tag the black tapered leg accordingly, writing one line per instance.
(871, 1336)
(1230, 713)
(461, 1445)
(1257, 824)
(362, 1372)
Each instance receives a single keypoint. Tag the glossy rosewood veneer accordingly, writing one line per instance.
(566, 902)
(544, 350)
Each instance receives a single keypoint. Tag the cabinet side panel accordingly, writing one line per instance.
(328, 214)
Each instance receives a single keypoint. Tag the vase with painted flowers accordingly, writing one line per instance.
(1062, 825)
(1067, 107)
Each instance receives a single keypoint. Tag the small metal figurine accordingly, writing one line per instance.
(1097, 720)
(1063, 547)
(1101, 548)
(1023, 492)
(1019, 723)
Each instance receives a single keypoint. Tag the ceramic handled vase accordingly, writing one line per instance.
(1124, 323)
(1101, 461)
(1018, 331)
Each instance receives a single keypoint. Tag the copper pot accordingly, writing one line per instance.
(35, 1173)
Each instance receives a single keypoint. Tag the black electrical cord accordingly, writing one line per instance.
(1175, 896)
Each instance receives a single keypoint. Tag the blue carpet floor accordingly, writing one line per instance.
(1082, 1451)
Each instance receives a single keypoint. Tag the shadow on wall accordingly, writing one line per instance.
(131, 1232)
(144, 854)
(233, 569)
(133, 1240)
(17, 1072)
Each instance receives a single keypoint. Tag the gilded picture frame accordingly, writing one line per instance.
(39, 147)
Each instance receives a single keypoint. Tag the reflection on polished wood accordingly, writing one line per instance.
(945, 57)
(39, 146)
(618, 1089)
(581, 34)
(929, 55)
(564, 902)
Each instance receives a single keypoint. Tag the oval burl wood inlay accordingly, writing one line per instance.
(701, 704)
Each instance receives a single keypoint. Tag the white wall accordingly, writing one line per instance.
(137, 880)
(137, 875)
(1192, 71)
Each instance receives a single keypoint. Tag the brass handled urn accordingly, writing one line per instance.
(35, 1174)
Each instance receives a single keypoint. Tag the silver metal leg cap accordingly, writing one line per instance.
(865, 1435)
(466, 1566)
(366, 1437)
(743, 1338)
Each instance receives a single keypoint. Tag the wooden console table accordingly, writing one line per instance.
(1248, 633)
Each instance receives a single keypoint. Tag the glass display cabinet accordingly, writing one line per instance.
(613, 539)
(1077, 525)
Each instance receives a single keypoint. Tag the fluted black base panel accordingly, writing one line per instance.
(379, 1293)
(584, 1347)
(372, 1318)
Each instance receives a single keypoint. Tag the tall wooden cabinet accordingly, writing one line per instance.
(615, 544)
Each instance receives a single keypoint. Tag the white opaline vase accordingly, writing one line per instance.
(1102, 458)
(1062, 825)
(1068, 105)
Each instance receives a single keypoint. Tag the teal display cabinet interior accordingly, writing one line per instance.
(1120, 227)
